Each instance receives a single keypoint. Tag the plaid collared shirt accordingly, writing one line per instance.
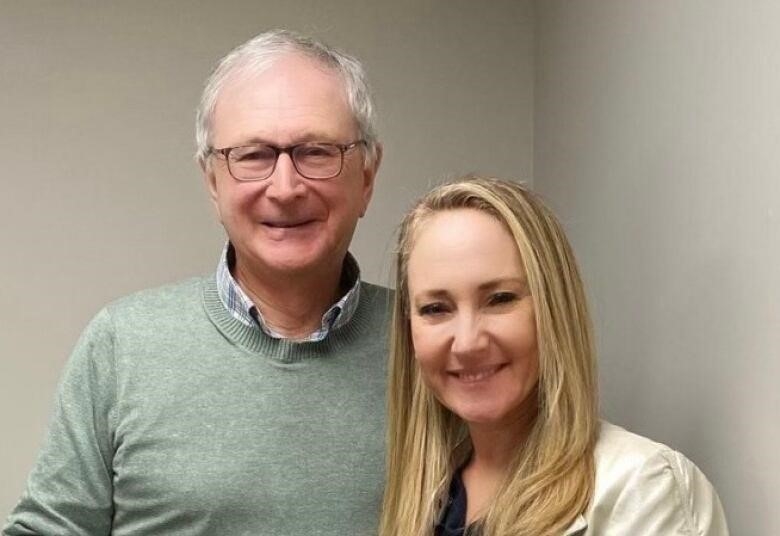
(244, 310)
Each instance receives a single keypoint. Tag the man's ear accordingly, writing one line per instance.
(210, 178)
(369, 175)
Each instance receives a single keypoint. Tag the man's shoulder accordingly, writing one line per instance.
(376, 301)
(375, 292)
(177, 296)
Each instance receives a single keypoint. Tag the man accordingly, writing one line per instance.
(251, 401)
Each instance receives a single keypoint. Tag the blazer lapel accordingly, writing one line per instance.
(577, 528)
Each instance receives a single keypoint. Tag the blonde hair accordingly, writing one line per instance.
(550, 481)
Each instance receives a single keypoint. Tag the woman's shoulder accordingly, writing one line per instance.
(619, 449)
(644, 485)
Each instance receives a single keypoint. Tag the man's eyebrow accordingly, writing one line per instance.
(303, 138)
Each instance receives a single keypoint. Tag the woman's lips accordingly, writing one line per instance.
(477, 374)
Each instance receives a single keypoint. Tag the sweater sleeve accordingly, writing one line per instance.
(667, 495)
(69, 490)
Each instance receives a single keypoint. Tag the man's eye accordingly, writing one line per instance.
(250, 155)
(500, 298)
(316, 151)
(432, 309)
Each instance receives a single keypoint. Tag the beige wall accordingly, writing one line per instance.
(98, 192)
(657, 138)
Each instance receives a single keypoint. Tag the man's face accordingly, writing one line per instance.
(287, 224)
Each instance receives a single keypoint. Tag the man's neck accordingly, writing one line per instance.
(291, 304)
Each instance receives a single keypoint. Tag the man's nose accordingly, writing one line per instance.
(285, 183)
(468, 337)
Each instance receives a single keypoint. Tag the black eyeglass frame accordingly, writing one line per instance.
(290, 151)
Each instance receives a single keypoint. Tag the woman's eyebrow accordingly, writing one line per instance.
(430, 293)
(501, 281)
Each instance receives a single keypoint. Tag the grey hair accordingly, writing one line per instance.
(258, 53)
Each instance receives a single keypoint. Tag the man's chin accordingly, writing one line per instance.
(305, 257)
(292, 261)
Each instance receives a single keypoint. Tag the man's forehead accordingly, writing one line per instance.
(286, 74)
(295, 98)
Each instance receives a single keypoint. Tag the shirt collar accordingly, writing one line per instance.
(241, 307)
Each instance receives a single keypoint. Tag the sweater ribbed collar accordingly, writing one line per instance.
(255, 341)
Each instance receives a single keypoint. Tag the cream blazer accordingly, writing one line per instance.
(644, 488)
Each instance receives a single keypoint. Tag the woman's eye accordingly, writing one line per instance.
(430, 309)
(500, 298)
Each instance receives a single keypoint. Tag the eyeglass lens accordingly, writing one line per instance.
(312, 160)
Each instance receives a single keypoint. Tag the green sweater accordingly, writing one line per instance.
(174, 418)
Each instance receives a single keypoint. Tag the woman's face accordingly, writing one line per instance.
(472, 317)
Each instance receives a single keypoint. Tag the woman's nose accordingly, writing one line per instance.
(469, 337)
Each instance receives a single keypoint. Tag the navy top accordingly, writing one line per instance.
(453, 519)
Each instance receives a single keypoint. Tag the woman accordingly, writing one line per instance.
(492, 400)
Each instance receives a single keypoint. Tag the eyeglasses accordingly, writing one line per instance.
(312, 160)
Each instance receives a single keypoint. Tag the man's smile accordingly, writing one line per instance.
(287, 224)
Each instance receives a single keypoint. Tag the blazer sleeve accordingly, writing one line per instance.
(69, 490)
(667, 495)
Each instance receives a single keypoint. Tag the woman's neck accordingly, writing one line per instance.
(494, 449)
